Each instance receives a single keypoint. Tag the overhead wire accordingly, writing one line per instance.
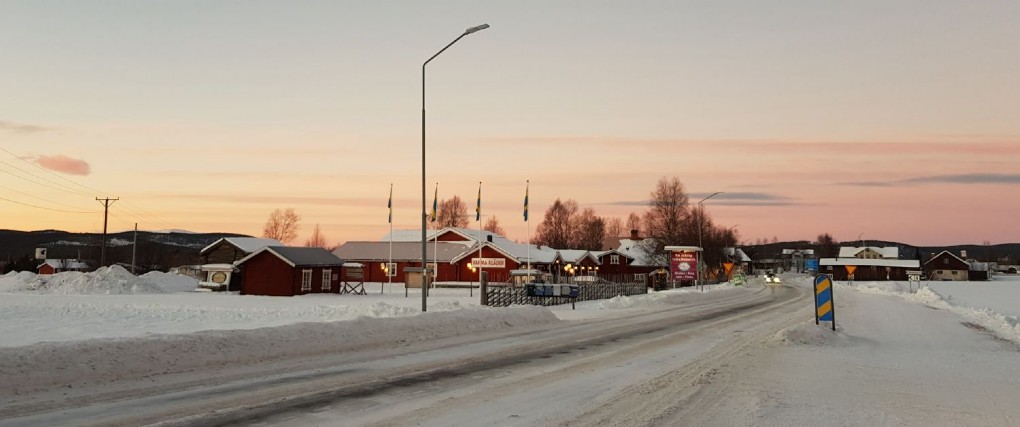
(134, 210)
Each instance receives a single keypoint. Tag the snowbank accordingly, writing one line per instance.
(46, 365)
(970, 300)
(106, 281)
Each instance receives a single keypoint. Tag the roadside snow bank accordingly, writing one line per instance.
(113, 280)
(1001, 325)
(43, 366)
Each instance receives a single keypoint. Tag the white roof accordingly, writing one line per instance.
(64, 264)
(801, 251)
(631, 248)
(518, 251)
(246, 244)
(880, 262)
(576, 255)
(889, 252)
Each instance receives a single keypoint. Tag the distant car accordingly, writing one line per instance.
(771, 278)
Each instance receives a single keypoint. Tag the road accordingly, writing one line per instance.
(633, 370)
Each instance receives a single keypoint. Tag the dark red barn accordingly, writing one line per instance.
(289, 271)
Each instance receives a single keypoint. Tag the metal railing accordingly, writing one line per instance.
(505, 294)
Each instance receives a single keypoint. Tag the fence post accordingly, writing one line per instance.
(484, 286)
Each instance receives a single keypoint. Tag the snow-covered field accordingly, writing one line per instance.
(898, 357)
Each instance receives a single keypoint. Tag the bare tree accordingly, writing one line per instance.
(666, 219)
(634, 222)
(282, 225)
(317, 239)
(827, 245)
(554, 231)
(589, 231)
(452, 213)
(492, 226)
(614, 227)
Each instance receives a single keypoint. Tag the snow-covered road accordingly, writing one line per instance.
(533, 374)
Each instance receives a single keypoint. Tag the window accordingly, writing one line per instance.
(614, 259)
(945, 261)
(828, 268)
(326, 275)
(392, 270)
(639, 277)
(306, 280)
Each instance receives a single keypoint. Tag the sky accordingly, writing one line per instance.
(867, 120)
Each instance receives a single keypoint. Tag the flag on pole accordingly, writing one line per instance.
(526, 200)
(435, 204)
(478, 207)
(389, 205)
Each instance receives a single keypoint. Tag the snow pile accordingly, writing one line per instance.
(168, 282)
(113, 280)
(1005, 327)
(975, 311)
(811, 334)
(46, 365)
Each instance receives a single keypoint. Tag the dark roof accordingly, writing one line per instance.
(300, 256)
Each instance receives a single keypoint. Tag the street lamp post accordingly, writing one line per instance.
(701, 224)
(424, 255)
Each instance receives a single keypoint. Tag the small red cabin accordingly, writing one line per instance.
(289, 271)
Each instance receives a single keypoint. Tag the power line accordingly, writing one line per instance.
(139, 215)
(40, 198)
(41, 207)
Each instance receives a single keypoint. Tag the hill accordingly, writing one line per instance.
(156, 250)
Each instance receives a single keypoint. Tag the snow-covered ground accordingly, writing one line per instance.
(942, 355)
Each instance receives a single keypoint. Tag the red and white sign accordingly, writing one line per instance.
(683, 265)
(488, 262)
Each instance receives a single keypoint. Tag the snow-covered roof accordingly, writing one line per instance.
(800, 251)
(632, 248)
(64, 264)
(518, 251)
(879, 262)
(402, 251)
(600, 254)
(245, 244)
(889, 252)
(298, 256)
(947, 253)
(574, 256)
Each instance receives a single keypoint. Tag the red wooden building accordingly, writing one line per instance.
(946, 266)
(289, 271)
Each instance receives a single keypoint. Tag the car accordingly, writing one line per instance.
(771, 278)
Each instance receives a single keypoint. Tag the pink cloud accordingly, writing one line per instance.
(62, 163)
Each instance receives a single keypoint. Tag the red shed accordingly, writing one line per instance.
(289, 271)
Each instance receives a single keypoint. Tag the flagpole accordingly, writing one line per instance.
(389, 277)
(478, 216)
(435, 237)
(527, 219)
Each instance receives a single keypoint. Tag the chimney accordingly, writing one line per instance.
(488, 237)
(634, 235)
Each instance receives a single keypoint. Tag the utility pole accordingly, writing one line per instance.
(134, 249)
(106, 214)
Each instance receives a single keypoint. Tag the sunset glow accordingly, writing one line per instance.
(891, 121)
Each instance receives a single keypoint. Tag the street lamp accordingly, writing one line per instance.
(424, 214)
(701, 225)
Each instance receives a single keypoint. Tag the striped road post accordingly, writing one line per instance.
(825, 309)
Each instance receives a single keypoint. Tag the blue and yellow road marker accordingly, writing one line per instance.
(825, 309)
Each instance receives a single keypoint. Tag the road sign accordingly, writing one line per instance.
(850, 269)
(728, 266)
(825, 309)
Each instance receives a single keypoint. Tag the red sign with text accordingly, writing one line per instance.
(683, 265)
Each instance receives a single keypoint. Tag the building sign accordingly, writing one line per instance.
(811, 264)
(683, 265)
(488, 262)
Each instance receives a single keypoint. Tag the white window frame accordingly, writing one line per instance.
(306, 280)
(614, 259)
(391, 269)
(327, 275)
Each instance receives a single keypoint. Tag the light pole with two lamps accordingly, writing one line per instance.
(424, 214)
